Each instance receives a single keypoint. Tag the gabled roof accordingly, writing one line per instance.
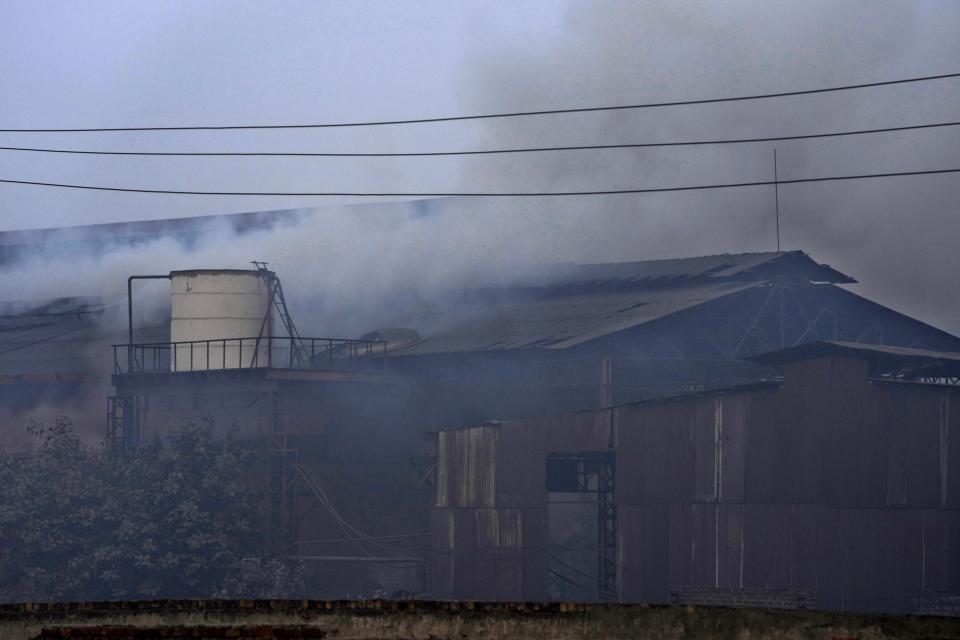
(883, 358)
(563, 321)
(674, 271)
(566, 305)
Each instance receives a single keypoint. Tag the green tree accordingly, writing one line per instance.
(174, 519)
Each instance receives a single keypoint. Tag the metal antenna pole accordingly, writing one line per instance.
(776, 195)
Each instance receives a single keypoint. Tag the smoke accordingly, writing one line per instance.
(348, 269)
(895, 235)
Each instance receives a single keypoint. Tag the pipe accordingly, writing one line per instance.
(130, 314)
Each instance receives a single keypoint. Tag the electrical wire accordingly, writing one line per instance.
(353, 534)
(486, 194)
(407, 154)
(513, 114)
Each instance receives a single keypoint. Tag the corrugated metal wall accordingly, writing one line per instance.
(831, 483)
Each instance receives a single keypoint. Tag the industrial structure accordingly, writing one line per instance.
(352, 429)
(365, 413)
(837, 486)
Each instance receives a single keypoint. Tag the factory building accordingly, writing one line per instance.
(837, 486)
(348, 426)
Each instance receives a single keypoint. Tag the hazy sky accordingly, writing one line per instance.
(192, 63)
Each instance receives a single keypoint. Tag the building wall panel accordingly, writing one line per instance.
(874, 438)
(643, 552)
(841, 433)
(951, 450)
(805, 488)
(893, 418)
(729, 545)
(704, 429)
(935, 558)
(922, 455)
(800, 524)
(680, 545)
(766, 546)
(704, 544)
(732, 455)
(812, 431)
(763, 464)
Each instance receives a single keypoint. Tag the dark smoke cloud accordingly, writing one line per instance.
(896, 236)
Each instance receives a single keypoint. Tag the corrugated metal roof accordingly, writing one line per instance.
(48, 338)
(563, 321)
(905, 355)
(561, 306)
(64, 335)
(672, 271)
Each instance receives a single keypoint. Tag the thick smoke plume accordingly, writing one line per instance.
(350, 269)
(895, 235)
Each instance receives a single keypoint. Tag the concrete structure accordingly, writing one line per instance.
(837, 487)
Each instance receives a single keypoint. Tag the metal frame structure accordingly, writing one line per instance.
(594, 472)
(123, 423)
(333, 354)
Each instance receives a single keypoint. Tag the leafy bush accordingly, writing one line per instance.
(178, 518)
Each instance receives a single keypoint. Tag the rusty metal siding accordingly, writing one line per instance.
(729, 540)
(805, 487)
(732, 443)
(842, 439)
(703, 434)
(812, 431)
(800, 524)
(441, 550)
(951, 450)
(466, 467)
(762, 460)
(703, 548)
(762, 548)
(499, 571)
(922, 453)
(893, 417)
(679, 545)
(873, 444)
(644, 567)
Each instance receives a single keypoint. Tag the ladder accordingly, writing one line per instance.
(299, 354)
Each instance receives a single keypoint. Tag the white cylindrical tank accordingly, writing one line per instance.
(216, 317)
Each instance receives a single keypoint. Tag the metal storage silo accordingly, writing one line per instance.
(216, 316)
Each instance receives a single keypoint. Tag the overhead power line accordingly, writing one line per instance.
(485, 194)
(634, 145)
(513, 114)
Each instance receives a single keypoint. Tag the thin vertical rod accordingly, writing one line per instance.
(776, 194)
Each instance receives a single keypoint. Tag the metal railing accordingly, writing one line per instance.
(267, 352)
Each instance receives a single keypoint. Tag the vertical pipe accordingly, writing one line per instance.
(130, 314)
(130, 324)
(606, 382)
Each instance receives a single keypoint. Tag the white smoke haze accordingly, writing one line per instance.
(347, 270)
